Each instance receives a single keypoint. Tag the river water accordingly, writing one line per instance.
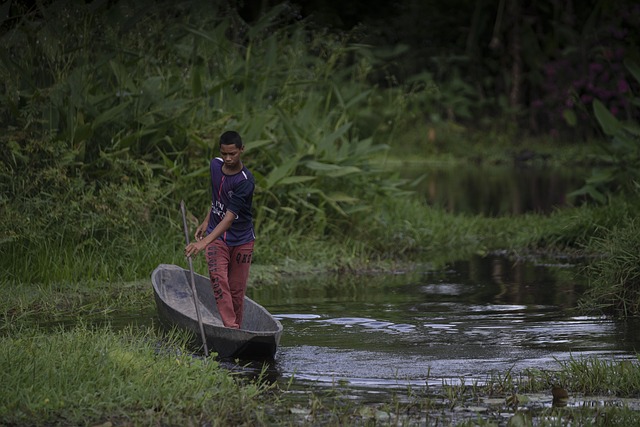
(471, 320)
(495, 190)
(474, 318)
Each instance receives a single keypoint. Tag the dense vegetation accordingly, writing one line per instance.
(537, 64)
(110, 111)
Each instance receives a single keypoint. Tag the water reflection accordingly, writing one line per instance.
(469, 320)
(496, 190)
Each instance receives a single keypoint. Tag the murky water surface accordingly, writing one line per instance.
(475, 318)
(496, 190)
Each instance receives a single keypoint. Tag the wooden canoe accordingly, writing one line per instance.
(260, 332)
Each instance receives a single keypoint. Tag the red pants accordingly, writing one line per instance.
(228, 272)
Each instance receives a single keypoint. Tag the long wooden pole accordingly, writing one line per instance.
(194, 293)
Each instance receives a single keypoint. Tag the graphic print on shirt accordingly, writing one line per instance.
(217, 209)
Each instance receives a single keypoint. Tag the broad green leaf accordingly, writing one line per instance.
(600, 176)
(589, 190)
(633, 68)
(351, 209)
(362, 95)
(610, 125)
(196, 81)
(172, 107)
(596, 194)
(254, 145)
(211, 37)
(633, 129)
(627, 142)
(198, 172)
(344, 170)
(289, 210)
(304, 203)
(129, 140)
(82, 133)
(330, 139)
(296, 179)
(570, 117)
(336, 91)
(332, 170)
(312, 164)
(579, 192)
(281, 171)
(333, 203)
(110, 114)
(343, 198)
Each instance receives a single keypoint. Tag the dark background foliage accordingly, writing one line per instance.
(540, 61)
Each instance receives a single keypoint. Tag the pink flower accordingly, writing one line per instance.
(595, 68)
(623, 86)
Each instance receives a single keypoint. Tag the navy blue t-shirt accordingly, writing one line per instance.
(232, 193)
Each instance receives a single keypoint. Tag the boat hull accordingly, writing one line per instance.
(258, 337)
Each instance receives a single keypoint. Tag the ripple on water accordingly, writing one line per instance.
(349, 322)
(420, 332)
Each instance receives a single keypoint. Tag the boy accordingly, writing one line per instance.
(227, 234)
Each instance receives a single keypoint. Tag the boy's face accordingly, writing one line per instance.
(230, 154)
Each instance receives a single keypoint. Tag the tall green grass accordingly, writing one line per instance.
(581, 376)
(614, 277)
(89, 376)
(108, 131)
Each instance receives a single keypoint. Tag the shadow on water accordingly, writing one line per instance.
(483, 316)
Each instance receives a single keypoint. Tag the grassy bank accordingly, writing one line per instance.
(90, 376)
(58, 275)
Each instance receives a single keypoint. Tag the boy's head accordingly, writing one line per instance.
(231, 138)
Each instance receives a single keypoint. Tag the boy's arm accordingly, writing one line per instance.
(224, 225)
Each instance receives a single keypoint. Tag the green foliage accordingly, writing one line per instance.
(407, 227)
(109, 130)
(574, 228)
(620, 161)
(57, 226)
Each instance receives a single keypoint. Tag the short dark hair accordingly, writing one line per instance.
(231, 137)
